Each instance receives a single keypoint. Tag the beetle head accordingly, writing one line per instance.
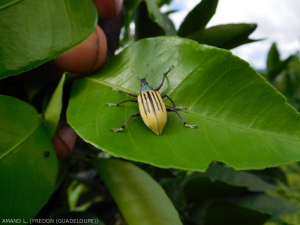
(145, 86)
(143, 82)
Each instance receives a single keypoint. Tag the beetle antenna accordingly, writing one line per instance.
(135, 75)
(146, 71)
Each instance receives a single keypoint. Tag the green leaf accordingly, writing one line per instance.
(221, 213)
(267, 204)
(271, 175)
(242, 120)
(27, 160)
(281, 66)
(273, 59)
(226, 36)
(145, 26)
(54, 107)
(130, 9)
(221, 181)
(238, 178)
(290, 87)
(169, 25)
(154, 12)
(198, 18)
(138, 196)
(33, 32)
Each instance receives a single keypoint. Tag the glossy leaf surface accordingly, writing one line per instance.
(221, 181)
(198, 18)
(154, 12)
(272, 205)
(33, 32)
(226, 36)
(238, 178)
(169, 25)
(138, 196)
(28, 162)
(271, 175)
(54, 107)
(242, 120)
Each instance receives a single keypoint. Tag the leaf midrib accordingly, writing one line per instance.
(195, 114)
(22, 141)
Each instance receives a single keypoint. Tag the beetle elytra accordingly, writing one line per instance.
(151, 106)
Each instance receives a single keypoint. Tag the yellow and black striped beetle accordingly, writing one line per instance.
(151, 106)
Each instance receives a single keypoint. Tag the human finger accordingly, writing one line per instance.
(108, 9)
(86, 57)
(64, 140)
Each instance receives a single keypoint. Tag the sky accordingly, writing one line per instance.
(278, 21)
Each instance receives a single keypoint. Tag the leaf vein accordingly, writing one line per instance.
(229, 99)
(18, 144)
(202, 116)
(209, 88)
(210, 143)
(261, 113)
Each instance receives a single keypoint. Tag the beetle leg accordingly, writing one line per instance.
(184, 123)
(124, 92)
(123, 127)
(176, 107)
(165, 74)
(129, 100)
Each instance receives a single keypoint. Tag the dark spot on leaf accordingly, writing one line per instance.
(47, 154)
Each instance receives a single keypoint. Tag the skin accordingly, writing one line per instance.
(86, 58)
(81, 60)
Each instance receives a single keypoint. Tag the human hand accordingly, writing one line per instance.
(86, 58)
(81, 60)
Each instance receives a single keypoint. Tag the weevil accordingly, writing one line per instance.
(151, 106)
